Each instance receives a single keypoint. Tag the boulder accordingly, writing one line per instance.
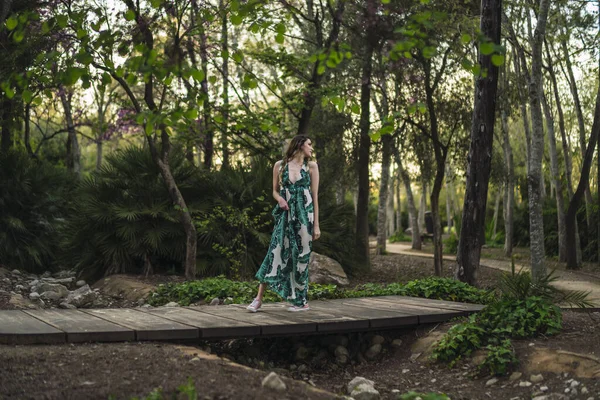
(53, 287)
(84, 296)
(365, 391)
(273, 381)
(326, 270)
(359, 380)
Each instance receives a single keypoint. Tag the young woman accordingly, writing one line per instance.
(296, 190)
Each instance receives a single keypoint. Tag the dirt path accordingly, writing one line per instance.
(567, 280)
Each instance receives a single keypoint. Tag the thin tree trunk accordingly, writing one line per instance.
(496, 209)
(6, 123)
(399, 227)
(225, 72)
(74, 155)
(449, 215)
(534, 177)
(412, 209)
(423, 206)
(207, 125)
(387, 142)
(556, 181)
(28, 131)
(480, 152)
(580, 122)
(362, 214)
(390, 206)
(523, 76)
(509, 188)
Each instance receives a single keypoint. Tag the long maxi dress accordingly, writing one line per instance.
(285, 268)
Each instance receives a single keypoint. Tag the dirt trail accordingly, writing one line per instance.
(567, 280)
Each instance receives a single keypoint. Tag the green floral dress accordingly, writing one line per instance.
(285, 268)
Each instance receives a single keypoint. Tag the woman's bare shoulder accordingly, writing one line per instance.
(277, 164)
(313, 164)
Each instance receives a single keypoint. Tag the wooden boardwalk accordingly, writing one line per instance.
(222, 322)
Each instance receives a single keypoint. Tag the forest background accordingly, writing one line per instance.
(138, 136)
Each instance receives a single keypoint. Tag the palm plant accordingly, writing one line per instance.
(34, 197)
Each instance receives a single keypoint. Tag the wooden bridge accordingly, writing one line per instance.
(222, 322)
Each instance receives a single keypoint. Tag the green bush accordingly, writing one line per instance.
(504, 319)
(499, 358)
(399, 237)
(447, 289)
(451, 244)
(34, 199)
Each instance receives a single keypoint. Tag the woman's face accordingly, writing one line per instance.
(307, 148)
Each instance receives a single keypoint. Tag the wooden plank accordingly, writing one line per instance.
(210, 326)
(425, 315)
(377, 318)
(17, 327)
(146, 326)
(326, 320)
(422, 302)
(82, 327)
(269, 324)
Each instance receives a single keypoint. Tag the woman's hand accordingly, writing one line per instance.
(283, 204)
(316, 233)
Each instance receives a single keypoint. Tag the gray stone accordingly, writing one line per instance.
(172, 304)
(544, 388)
(19, 288)
(80, 283)
(574, 383)
(82, 297)
(584, 390)
(341, 351)
(373, 352)
(16, 272)
(302, 353)
(274, 382)
(53, 287)
(327, 271)
(377, 339)
(34, 296)
(62, 281)
(50, 296)
(34, 282)
(536, 378)
(358, 381)
(215, 301)
(525, 384)
(342, 359)
(515, 376)
(66, 305)
(365, 392)
(397, 343)
(491, 382)
(47, 274)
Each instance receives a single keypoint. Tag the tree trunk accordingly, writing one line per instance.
(534, 177)
(412, 209)
(399, 227)
(435, 215)
(509, 188)
(225, 72)
(423, 206)
(523, 76)
(28, 131)
(556, 181)
(480, 151)
(99, 148)
(390, 206)
(362, 213)
(387, 142)
(580, 122)
(74, 155)
(206, 123)
(6, 123)
(496, 209)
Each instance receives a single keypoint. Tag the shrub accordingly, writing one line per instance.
(451, 244)
(447, 289)
(399, 237)
(34, 199)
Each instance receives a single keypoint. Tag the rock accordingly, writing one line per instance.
(80, 283)
(66, 305)
(19, 288)
(18, 301)
(341, 351)
(536, 378)
(377, 339)
(397, 343)
(215, 301)
(574, 383)
(124, 286)
(47, 274)
(358, 381)
(491, 382)
(302, 353)
(365, 392)
(342, 359)
(373, 352)
(515, 376)
(544, 388)
(53, 287)
(16, 272)
(326, 270)
(274, 382)
(82, 297)
(405, 370)
(63, 281)
(34, 296)
(172, 304)
(584, 390)
(525, 384)
(50, 296)
(34, 282)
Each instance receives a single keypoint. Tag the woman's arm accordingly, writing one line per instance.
(280, 200)
(314, 187)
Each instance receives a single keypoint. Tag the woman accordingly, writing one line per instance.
(296, 190)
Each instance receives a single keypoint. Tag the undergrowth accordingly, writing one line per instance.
(239, 292)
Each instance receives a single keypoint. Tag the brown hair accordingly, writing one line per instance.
(293, 147)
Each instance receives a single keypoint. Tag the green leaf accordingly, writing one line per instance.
(385, 1)
(321, 69)
(81, 33)
(27, 95)
(465, 38)
(236, 19)
(280, 28)
(429, 51)
(130, 15)
(486, 48)
(198, 75)
(9, 92)
(191, 114)
(11, 23)
(498, 60)
(238, 56)
(279, 38)
(62, 21)
(18, 36)
(149, 128)
(355, 109)
(155, 3)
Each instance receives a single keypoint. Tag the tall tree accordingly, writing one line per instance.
(480, 151)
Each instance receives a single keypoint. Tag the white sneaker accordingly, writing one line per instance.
(296, 308)
(254, 306)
